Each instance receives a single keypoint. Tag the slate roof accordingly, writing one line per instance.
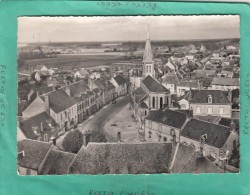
(78, 88)
(143, 105)
(139, 93)
(154, 86)
(57, 162)
(226, 81)
(200, 165)
(35, 152)
(170, 77)
(227, 122)
(123, 158)
(217, 135)
(120, 80)
(103, 85)
(168, 117)
(33, 123)
(59, 100)
(189, 84)
(201, 97)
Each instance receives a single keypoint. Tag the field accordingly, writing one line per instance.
(71, 61)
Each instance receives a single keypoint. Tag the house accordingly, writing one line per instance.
(188, 160)
(85, 100)
(170, 81)
(39, 127)
(184, 101)
(57, 162)
(164, 125)
(225, 84)
(62, 108)
(210, 139)
(82, 73)
(123, 158)
(211, 102)
(41, 68)
(31, 156)
(184, 86)
(105, 86)
(95, 75)
(120, 85)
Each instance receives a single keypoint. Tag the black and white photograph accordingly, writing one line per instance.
(128, 95)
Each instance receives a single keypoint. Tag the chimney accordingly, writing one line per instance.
(119, 138)
(85, 142)
(232, 126)
(41, 127)
(229, 95)
(47, 107)
(67, 90)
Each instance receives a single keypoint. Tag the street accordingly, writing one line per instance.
(98, 121)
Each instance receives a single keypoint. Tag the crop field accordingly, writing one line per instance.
(70, 61)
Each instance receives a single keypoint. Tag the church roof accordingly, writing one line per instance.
(154, 86)
(148, 55)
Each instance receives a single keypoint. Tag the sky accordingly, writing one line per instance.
(128, 28)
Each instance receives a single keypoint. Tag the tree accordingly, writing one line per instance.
(73, 141)
(97, 136)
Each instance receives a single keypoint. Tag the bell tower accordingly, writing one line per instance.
(148, 63)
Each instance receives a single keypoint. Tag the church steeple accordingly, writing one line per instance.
(148, 67)
(148, 56)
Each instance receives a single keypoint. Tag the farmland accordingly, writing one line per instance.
(69, 61)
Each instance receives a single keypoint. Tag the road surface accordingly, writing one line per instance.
(98, 121)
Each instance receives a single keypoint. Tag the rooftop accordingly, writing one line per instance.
(217, 135)
(34, 123)
(123, 158)
(120, 80)
(34, 153)
(226, 81)
(201, 96)
(153, 85)
(168, 117)
(57, 163)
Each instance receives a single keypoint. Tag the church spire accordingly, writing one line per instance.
(148, 56)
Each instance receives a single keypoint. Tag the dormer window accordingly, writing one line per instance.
(209, 99)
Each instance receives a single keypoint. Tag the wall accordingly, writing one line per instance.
(36, 107)
(215, 109)
(184, 104)
(165, 132)
(170, 87)
(23, 171)
(208, 150)
(224, 88)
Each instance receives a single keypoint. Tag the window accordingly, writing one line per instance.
(145, 112)
(28, 172)
(160, 128)
(209, 99)
(149, 134)
(221, 110)
(165, 139)
(65, 113)
(153, 104)
(198, 109)
(209, 110)
(61, 117)
(161, 102)
(159, 138)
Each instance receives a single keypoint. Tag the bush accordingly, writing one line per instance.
(73, 141)
(97, 136)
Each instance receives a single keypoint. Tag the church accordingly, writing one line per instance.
(151, 95)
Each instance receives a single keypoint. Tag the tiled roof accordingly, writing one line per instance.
(200, 165)
(34, 123)
(120, 80)
(170, 77)
(123, 158)
(78, 88)
(189, 84)
(154, 86)
(60, 101)
(168, 117)
(57, 163)
(217, 135)
(201, 96)
(226, 81)
(34, 153)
